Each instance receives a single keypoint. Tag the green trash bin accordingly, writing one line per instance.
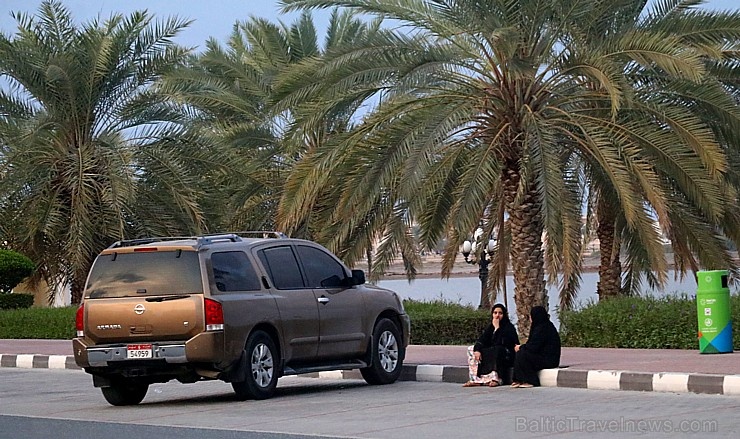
(713, 312)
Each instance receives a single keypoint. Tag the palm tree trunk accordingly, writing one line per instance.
(610, 266)
(76, 289)
(527, 255)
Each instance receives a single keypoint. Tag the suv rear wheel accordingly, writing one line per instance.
(261, 376)
(387, 354)
(125, 392)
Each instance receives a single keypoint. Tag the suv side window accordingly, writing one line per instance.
(322, 270)
(282, 266)
(232, 271)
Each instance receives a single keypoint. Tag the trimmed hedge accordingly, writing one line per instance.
(431, 323)
(14, 267)
(43, 323)
(16, 301)
(444, 323)
(626, 322)
(639, 322)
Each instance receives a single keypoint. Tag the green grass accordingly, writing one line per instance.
(44, 323)
(435, 322)
(639, 322)
(626, 322)
(444, 323)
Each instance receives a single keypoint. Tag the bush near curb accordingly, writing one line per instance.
(639, 322)
(626, 322)
(444, 323)
(39, 323)
(431, 323)
(14, 267)
(16, 300)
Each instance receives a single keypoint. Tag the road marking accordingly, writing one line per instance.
(24, 360)
(670, 382)
(603, 379)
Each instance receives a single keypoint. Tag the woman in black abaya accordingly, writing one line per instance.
(542, 350)
(493, 354)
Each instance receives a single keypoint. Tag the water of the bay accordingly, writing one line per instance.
(466, 291)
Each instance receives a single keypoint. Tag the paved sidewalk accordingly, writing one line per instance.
(666, 370)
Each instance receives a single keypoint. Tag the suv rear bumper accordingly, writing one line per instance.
(100, 356)
(206, 347)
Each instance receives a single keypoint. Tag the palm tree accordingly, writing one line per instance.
(489, 107)
(700, 105)
(232, 91)
(90, 153)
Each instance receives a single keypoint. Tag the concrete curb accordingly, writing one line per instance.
(34, 361)
(582, 379)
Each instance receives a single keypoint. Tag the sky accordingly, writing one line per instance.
(213, 18)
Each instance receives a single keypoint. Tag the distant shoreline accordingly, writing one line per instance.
(434, 271)
(431, 268)
(429, 273)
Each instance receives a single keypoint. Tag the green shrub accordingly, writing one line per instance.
(14, 267)
(445, 323)
(639, 322)
(15, 301)
(628, 322)
(43, 323)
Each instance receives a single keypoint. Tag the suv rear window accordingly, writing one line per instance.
(232, 271)
(145, 274)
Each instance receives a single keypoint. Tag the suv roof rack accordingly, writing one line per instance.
(202, 239)
(262, 234)
(143, 241)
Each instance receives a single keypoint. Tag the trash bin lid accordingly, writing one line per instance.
(711, 280)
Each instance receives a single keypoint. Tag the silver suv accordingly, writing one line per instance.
(245, 308)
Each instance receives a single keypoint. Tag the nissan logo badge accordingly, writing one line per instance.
(139, 309)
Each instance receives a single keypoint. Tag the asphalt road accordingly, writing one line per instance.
(25, 427)
(63, 404)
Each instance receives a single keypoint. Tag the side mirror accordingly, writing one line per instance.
(358, 277)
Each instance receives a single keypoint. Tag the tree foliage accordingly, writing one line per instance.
(14, 267)
(510, 112)
(90, 153)
(232, 89)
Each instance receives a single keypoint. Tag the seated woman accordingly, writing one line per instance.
(493, 354)
(541, 351)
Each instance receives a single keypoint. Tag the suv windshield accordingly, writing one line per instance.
(145, 274)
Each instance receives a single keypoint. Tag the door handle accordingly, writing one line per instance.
(323, 299)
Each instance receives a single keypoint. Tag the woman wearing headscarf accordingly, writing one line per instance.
(542, 350)
(493, 354)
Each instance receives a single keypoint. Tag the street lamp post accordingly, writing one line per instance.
(482, 256)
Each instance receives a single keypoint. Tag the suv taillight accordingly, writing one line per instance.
(79, 321)
(214, 315)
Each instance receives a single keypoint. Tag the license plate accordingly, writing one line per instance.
(139, 351)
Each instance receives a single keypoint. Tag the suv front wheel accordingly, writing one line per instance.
(387, 354)
(261, 377)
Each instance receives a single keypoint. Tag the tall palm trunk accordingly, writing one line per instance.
(610, 266)
(76, 290)
(527, 255)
